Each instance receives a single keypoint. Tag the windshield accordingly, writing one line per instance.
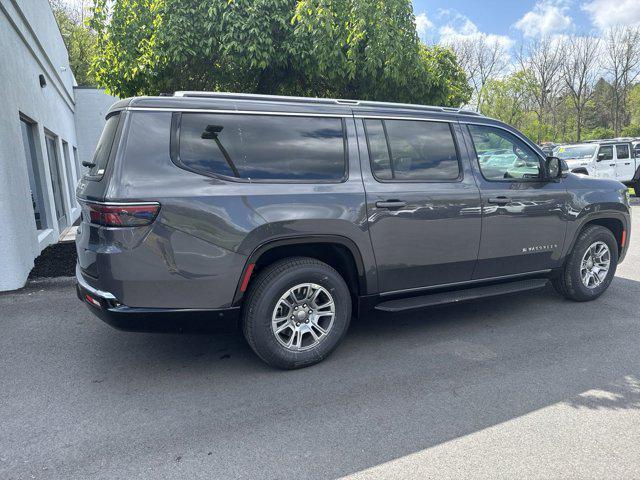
(574, 151)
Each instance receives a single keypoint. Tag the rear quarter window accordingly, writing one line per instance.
(263, 148)
(103, 149)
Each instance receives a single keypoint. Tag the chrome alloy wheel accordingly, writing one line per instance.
(303, 316)
(595, 264)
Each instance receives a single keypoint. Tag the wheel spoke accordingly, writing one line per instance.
(282, 328)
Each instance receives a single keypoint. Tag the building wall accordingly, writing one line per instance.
(31, 45)
(92, 104)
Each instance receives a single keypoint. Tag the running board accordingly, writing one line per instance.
(461, 295)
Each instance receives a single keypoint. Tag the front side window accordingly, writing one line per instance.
(412, 150)
(503, 156)
(622, 151)
(263, 147)
(605, 152)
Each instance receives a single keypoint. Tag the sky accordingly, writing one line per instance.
(512, 21)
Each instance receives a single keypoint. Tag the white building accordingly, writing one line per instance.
(40, 136)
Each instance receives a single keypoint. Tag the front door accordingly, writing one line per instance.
(605, 166)
(625, 166)
(524, 213)
(423, 205)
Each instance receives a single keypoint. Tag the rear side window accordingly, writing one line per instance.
(411, 150)
(263, 147)
(622, 151)
(103, 149)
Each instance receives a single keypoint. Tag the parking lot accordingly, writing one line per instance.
(528, 386)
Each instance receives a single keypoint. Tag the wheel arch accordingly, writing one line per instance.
(614, 222)
(337, 251)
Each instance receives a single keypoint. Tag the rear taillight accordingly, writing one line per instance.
(123, 215)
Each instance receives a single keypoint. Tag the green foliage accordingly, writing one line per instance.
(632, 130)
(447, 82)
(598, 133)
(511, 99)
(341, 48)
(78, 40)
(634, 104)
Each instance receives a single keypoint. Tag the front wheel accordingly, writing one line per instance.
(590, 266)
(296, 312)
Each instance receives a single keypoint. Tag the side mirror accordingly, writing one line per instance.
(601, 156)
(556, 168)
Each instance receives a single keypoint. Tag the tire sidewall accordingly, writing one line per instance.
(261, 310)
(573, 272)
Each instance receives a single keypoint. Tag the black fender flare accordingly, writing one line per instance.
(261, 249)
(603, 215)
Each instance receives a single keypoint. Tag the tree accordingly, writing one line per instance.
(483, 59)
(78, 39)
(341, 48)
(511, 99)
(622, 61)
(580, 73)
(542, 57)
(448, 81)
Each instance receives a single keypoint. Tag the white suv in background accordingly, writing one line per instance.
(611, 159)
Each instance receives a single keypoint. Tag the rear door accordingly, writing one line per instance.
(423, 204)
(524, 213)
(625, 166)
(605, 162)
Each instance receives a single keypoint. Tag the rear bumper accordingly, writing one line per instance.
(133, 319)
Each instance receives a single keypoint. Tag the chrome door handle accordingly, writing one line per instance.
(391, 204)
(499, 200)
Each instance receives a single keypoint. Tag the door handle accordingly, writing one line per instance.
(612, 164)
(499, 200)
(391, 204)
(627, 163)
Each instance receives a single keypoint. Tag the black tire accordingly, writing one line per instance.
(265, 292)
(569, 283)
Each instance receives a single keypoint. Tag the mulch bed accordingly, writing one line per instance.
(58, 260)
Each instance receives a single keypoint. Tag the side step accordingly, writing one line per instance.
(461, 295)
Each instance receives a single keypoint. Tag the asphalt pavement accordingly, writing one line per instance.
(526, 386)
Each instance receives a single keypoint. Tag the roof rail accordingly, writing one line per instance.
(321, 101)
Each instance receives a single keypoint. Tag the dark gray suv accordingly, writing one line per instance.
(290, 215)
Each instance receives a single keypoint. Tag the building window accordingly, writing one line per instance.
(78, 166)
(35, 185)
(56, 180)
(71, 184)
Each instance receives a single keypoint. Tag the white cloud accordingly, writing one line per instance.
(546, 18)
(460, 27)
(423, 25)
(607, 13)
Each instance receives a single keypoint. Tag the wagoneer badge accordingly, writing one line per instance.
(539, 248)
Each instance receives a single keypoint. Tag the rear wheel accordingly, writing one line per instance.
(590, 266)
(296, 312)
